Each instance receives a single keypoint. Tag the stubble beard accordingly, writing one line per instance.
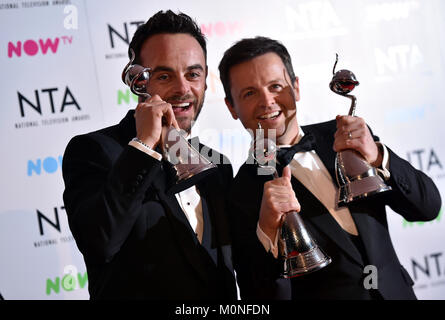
(189, 123)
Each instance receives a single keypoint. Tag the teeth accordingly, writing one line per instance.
(270, 115)
(181, 105)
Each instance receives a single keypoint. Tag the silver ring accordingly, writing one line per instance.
(349, 135)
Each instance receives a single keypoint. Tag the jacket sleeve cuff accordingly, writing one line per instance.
(384, 169)
(268, 245)
(145, 149)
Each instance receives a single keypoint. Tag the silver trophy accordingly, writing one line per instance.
(356, 178)
(297, 249)
(188, 163)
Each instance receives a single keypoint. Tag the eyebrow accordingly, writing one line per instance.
(169, 69)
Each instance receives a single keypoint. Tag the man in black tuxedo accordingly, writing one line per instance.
(138, 238)
(261, 87)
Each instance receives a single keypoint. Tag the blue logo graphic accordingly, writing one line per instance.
(48, 164)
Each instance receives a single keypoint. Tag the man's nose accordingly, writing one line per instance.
(266, 98)
(182, 86)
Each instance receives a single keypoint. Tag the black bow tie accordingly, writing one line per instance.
(285, 155)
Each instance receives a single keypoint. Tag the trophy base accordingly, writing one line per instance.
(298, 264)
(190, 175)
(360, 189)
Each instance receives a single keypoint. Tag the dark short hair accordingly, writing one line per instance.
(166, 22)
(247, 49)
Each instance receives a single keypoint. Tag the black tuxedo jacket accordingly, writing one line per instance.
(136, 241)
(413, 195)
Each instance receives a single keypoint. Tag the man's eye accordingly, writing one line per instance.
(194, 75)
(276, 86)
(162, 77)
(247, 94)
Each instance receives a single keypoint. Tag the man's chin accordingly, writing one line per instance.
(185, 125)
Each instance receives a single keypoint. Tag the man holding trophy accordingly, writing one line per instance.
(150, 223)
(324, 253)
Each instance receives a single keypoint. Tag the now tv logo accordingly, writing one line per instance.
(222, 28)
(32, 47)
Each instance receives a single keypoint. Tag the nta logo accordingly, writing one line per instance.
(424, 160)
(122, 34)
(68, 99)
(32, 47)
(54, 224)
(430, 266)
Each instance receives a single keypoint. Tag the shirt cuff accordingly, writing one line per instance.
(145, 149)
(384, 169)
(266, 242)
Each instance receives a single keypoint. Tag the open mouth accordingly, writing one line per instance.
(270, 116)
(181, 106)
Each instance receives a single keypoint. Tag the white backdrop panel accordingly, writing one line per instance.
(62, 60)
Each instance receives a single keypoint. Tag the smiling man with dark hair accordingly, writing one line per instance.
(139, 240)
(261, 88)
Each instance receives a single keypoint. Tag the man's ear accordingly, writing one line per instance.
(296, 89)
(231, 109)
(207, 73)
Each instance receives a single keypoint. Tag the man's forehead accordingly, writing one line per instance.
(267, 67)
(164, 49)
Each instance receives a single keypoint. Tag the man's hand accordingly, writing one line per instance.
(278, 199)
(353, 133)
(149, 117)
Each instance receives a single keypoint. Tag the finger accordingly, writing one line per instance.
(278, 209)
(280, 195)
(345, 134)
(286, 173)
(342, 142)
(284, 199)
(153, 99)
(175, 122)
(147, 105)
(291, 204)
(347, 123)
(169, 115)
(346, 120)
(279, 183)
(346, 141)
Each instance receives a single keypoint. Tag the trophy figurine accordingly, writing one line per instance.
(188, 163)
(297, 249)
(356, 178)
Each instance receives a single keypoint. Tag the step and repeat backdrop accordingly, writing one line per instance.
(61, 64)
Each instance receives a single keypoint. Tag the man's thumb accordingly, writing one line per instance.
(286, 173)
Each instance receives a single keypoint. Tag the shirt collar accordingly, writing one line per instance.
(300, 136)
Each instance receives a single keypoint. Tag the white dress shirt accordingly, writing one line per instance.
(189, 200)
(307, 167)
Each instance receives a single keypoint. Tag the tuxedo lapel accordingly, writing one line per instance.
(324, 221)
(215, 200)
(323, 148)
(182, 230)
(315, 213)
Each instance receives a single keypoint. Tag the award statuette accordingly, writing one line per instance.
(188, 163)
(297, 249)
(356, 178)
